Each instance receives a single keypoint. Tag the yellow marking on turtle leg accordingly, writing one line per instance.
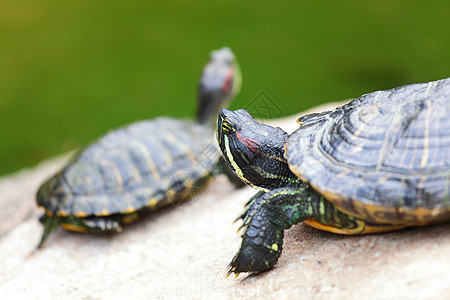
(130, 218)
(72, 227)
(62, 213)
(274, 247)
(49, 213)
(322, 208)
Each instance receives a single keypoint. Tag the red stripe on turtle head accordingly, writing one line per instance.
(251, 144)
(229, 77)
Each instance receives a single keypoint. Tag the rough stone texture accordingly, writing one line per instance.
(182, 252)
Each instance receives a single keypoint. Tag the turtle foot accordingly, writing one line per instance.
(254, 258)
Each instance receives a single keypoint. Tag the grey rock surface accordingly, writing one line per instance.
(183, 252)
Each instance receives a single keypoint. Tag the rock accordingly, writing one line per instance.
(183, 252)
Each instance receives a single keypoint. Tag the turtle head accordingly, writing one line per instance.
(219, 83)
(254, 151)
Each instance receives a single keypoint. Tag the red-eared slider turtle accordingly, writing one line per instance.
(143, 166)
(379, 163)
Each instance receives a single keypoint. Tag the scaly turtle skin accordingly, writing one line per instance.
(143, 166)
(377, 164)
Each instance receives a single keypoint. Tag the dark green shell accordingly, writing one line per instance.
(384, 157)
(147, 164)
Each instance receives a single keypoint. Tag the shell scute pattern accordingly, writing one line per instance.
(389, 149)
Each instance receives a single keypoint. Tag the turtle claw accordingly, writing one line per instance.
(232, 270)
(243, 225)
(241, 217)
(245, 222)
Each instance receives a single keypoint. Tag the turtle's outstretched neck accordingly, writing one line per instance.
(219, 83)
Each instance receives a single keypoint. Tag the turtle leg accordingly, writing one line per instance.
(93, 224)
(269, 214)
(50, 224)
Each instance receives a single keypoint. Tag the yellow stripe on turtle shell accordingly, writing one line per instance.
(426, 137)
(185, 148)
(148, 158)
(115, 171)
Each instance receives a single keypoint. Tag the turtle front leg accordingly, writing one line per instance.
(269, 214)
(264, 221)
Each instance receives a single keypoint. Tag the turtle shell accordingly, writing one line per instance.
(384, 157)
(147, 164)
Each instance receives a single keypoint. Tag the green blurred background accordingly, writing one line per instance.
(70, 70)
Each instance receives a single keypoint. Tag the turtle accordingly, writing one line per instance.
(379, 163)
(143, 166)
